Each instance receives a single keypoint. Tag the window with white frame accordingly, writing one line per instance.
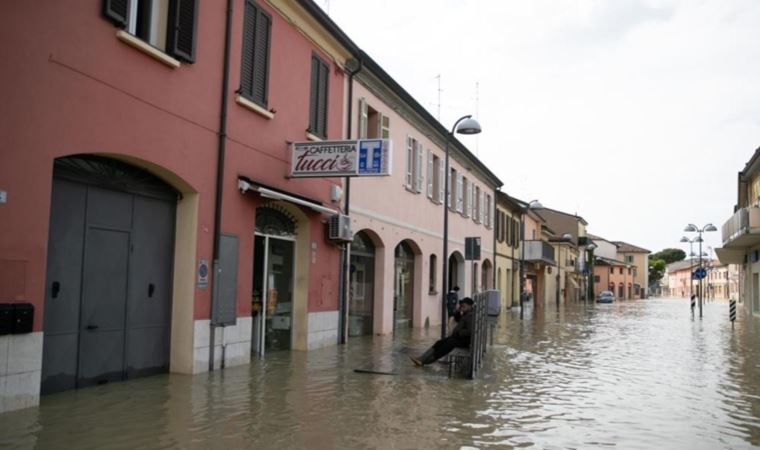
(481, 206)
(439, 173)
(409, 177)
(466, 197)
(414, 177)
(372, 123)
(450, 196)
(488, 211)
(167, 25)
(419, 177)
(430, 176)
(460, 202)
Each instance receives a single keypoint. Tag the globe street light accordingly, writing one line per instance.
(691, 228)
(465, 125)
(533, 204)
(567, 237)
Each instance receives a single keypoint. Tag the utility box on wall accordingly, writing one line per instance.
(16, 318)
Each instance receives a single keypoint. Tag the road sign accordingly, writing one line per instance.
(699, 274)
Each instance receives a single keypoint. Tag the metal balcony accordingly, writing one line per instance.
(539, 251)
(742, 230)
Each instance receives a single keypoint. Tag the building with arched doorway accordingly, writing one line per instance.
(146, 189)
(402, 214)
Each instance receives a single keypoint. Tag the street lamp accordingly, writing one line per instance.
(567, 237)
(691, 228)
(465, 125)
(533, 204)
(589, 271)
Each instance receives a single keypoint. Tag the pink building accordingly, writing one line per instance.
(113, 132)
(613, 275)
(680, 283)
(396, 256)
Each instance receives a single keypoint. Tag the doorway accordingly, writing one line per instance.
(273, 275)
(403, 295)
(361, 295)
(109, 280)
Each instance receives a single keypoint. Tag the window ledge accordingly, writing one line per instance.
(245, 103)
(146, 48)
(313, 137)
(432, 292)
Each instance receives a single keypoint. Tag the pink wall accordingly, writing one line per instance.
(73, 87)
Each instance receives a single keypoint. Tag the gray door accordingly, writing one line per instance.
(148, 326)
(104, 297)
(63, 287)
(109, 286)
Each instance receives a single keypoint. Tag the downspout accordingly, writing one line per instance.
(346, 260)
(220, 179)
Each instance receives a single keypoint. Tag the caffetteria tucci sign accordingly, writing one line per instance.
(356, 158)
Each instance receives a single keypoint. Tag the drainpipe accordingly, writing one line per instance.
(346, 259)
(220, 178)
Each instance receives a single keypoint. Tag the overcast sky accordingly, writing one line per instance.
(635, 114)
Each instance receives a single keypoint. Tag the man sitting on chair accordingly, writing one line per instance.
(460, 336)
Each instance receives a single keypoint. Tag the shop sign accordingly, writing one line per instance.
(365, 157)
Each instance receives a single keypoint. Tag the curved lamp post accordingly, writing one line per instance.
(465, 125)
(691, 228)
(533, 204)
(567, 237)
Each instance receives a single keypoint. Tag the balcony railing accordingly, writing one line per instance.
(742, 229)
(539, 251)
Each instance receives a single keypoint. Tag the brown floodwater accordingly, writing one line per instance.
(640, 374)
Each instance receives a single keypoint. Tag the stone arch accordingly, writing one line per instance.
(487, 275)
(456, 271)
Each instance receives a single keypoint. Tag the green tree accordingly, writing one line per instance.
(657, 269)
(669, 255)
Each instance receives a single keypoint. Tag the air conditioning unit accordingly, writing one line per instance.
(339, 228)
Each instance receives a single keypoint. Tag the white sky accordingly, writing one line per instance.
(635, 114)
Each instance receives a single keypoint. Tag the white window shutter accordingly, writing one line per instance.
(481, 208)
(430, 174)
(385, 126)
(363, 118)
(467, 198)
(409, 163)
(441, 175)
(449, 186)
(459, 192)
(418, 167)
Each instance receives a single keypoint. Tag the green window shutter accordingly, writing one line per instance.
(117, 11)
(181, 29)
(254, 77)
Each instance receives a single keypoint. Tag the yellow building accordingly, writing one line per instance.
(508, 238)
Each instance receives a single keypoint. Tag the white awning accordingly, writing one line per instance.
(245, 186)
(730, 255)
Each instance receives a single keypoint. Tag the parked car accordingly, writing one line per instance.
(605, 297)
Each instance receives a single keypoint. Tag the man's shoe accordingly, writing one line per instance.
(416, 361)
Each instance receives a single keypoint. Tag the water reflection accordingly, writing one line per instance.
(630, 375)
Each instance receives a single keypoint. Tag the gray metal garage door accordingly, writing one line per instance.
(109, 277)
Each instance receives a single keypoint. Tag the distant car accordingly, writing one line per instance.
(605, 297)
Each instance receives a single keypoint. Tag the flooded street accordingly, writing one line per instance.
(640, 374)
